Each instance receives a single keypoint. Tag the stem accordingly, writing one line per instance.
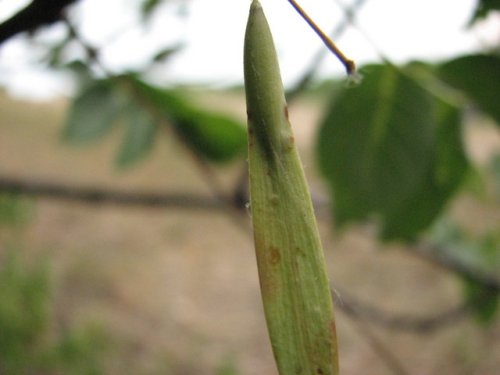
(349, 64)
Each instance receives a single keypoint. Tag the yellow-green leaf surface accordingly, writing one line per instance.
(294, 284)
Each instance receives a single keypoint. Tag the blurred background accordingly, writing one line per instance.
(125, 237)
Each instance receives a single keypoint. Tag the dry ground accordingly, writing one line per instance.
(178, 289)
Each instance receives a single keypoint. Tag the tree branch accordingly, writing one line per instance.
(382, 350)
(440, 256)
(104, 196)
(36, 14)
(402, 322)
(348, 304)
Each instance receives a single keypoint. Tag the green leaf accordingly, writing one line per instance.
(483, 300)
(166, 53)
(92, 113)
(212, 135)
(140, 132)
(478, 76)
(391, 149)
(483, 8)
(148, 7)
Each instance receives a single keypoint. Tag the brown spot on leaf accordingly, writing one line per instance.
(269, 282)
(274, 255)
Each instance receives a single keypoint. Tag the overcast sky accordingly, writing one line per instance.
(212, 32)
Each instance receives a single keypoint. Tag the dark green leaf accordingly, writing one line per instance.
(482, 299)
(215, 136)
(479, 77)
(148, 7)
(483, 8)
(212, 135)
(139, 137)
(391, 149)
(165, 53)
(92, 113)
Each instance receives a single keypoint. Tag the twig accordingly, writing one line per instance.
(349, 64)
(437, 255)
(36, 14)
(106, 196)
(385, 354)
(322, 52)
(417, 324)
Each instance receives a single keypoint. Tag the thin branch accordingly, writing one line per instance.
(36, 14)
(318, 57)
(402, 322)
(349, 64)
(378, 346)
(106, 196)
(346, 303)
(438, 255)
(236, 204)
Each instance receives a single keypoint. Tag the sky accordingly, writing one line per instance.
(212, 31)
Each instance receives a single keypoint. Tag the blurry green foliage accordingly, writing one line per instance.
(480, 254)
(140, 132)
(27, 343)
(391, 148)
(211, 135)
(142, 107)
(483, 301)
(483, 8)
(148, 7)
(165, 53)
(478, 77)
(93, 112)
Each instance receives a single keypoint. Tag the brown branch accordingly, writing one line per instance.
(235, 202)
(418, 324)
(382, 350)
(36, 14)
(106, 196)
(349, 64)
(348, 304)
(438, 255)
(318, 57)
